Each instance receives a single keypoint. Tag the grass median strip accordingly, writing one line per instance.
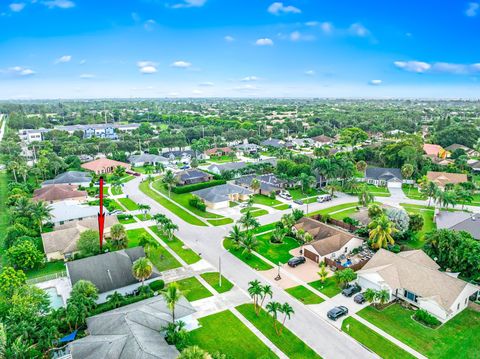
(252, 260)
(171, 206)
(193, 290)
(304, 295)
(287, 342)
(212, 278)
(330, 287)
(187, 254)
(128, 203)
(220, 222)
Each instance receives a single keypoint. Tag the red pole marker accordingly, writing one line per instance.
(101, 215)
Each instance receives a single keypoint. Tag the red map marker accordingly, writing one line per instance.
(101, 215)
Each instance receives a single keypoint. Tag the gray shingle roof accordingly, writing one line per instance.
(385, 174)
(459, 221)
(107, 271)
(70, 210)
(192, 174)
(221, 193)
(146, 157)
(70, 177)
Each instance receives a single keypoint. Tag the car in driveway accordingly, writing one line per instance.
(359, 298)
(285, 195)
(295, 261)
(351, 290)
(337, 312)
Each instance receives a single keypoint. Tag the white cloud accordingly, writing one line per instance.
(358, 29)
(450, 68)
(472, 9)
(181, 64)
(147, 67)
(82, 62)
(310, 73)
(229, 38)
(326, 27)
(413, 66)
(375, 82)
(250, 78)
(298, 36)
(17, 6)
(206, 84)
(149, 25)
(19, 71)
(87, 76)
(189, 3)
(61, 4)
(264, 42)
(278, 8)
(63, 59)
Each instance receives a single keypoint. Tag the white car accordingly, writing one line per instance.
(285, 195)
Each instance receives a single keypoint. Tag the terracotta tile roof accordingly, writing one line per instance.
(58, 192)
(102, 164)
(443, 178)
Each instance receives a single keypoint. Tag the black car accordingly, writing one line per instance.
(337, 312)
(295, 261)
(359, 298)
(351, 290)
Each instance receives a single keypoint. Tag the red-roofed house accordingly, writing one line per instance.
(435, 151)
(104, 165)
(218, 151)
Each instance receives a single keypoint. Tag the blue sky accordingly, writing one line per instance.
(239, 48)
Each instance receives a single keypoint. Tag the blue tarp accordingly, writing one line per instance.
(69, 337)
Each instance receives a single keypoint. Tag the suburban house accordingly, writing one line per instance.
(184, 156)
(459, 221)
(107, 130)
(147, 159)
(276, 143)
(59, 192)
(218, 151)
(328, 242)
(414, 277)
(66, 211)
(192, 176)
(303, 142)
(109, 272)
(71, 177)
(104, 165)
(322, 140)
(389, 177)
(435, 151)
(220, 196)
(441, 179)
(218, 168)
(268, 183)
(62, 242)
(132, 331)
(248, 148)
(474, 165)
(468, 151)
(361, 215)
(32, 135)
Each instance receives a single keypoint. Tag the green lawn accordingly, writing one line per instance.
(133, 236)
(126, 220)
(428, 225)
(222, 159)
(220, 222)
(259, 212)
(192, 289)
(297, 193)
(458, 338)
(330, 287)
(336, 208)
(223, 332)
(287, 342)
(374, 341)
(282, 207)
(128, 203)
(171, 206)
(243, 210)
(413, 192)
(212, 278)
(265, 228)
(304, 295)
(346, 213)
(47, 269)
(276, 252)
(116, 191)
(144, 217)
(266, 201)
(187, 254)
(127, 178)
(183, 200)
(252, 260)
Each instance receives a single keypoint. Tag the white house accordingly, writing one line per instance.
(378, 176)
(415, 278)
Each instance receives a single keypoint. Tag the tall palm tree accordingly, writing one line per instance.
(169, 228)
(287, 311)
(333, 186)
(41, 212)
(115, 299)
(13, 166)
(430, 189)
(266, 291)
(248, 221)
(306, 182)
(172, 296)
(255, 185)
(255, 291)
(407, 171)
(273, 308)
(159, 167)
(236, 236)
(118, 236)
(148, 243)
(463, 196)
(142, 269)
(144, 207)
(169, 180)
(249, 244)
(381, 231)
(365, 197)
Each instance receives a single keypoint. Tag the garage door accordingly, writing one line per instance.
(310, 255)
(394, 184)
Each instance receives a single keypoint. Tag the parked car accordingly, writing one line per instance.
(359, 298)
(298, 201)
(337, 312)
(285, 195)
(324, 198)
(295, 261)
(351, 290)
(116, 211)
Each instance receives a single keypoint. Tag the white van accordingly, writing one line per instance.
(324, 198)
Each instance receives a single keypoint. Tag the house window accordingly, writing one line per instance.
(410, 296)
(346, 249)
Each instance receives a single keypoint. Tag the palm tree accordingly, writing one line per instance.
(118, 236)
(361, 166)
(255, 291)
(333, 186)
(320, 151)
(172, 296)
(447, 198)
(236, 236)
(364, 196)
(13, 166)
(463, 196)
(115, 299)
(407, 172)
(370, 295)
(116, 185)
(287, 311)
(323, 272)
(430, 189)
(273, 308)
(144, 207)
(382, 296)
(194, 352)
(142, 269)
(255, 185)
(249, 244)
(278, 235)
(266, 291)
(248, 221)
(306, 182)
(159, 167)
(148, 243)
(381, 231)
(41, 212)
(169, 228)
(3, 341)
(169, 180)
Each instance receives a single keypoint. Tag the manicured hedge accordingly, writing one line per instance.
(157, 285)
(197, 186)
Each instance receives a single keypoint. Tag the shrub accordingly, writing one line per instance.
(196, 186)
(394, 248)
(24, 255)
(272, 195)
(426, 318)
(157, 285)
(124, 216)
(197, 203)
(416, 222)
(88, 244)
(362, 232)
(351, 221)
(399, 217)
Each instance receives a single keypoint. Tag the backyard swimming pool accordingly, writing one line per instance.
(56, 300)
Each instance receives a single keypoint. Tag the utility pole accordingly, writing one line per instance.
(219, 271)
